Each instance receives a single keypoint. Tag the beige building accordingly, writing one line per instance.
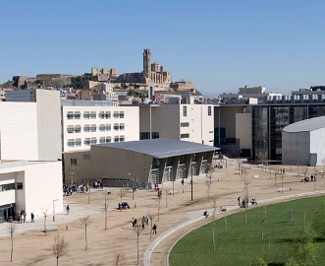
(186, 122)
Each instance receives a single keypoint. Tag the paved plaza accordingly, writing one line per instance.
(177, 215)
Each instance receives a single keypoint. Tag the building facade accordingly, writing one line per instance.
(32, 187)
(86, 123)
(186, 122)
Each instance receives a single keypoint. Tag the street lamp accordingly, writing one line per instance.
(192, 182)
(54, 208)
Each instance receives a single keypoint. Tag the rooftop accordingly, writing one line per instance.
(306, 125)
(161, 148)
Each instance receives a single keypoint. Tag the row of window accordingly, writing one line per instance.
(92, 141)
(93, 128)
(185, 110)
(93, 115)
(11, 186)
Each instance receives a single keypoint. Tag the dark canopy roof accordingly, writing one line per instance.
(161, 148)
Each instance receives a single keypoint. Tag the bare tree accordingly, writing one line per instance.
(12, 230)
(121, 194)
(59, 247)
(45, 216)
(119, 259)
(159, 196)
(85, 222)
(150, 216)
(138, 230)
(214, 224)
(208, 183)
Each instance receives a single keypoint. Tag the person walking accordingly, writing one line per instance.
(154, 229)
(32, 217)
(68, 209)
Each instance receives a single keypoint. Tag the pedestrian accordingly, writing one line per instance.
(24, 214)
(238, 201)
(147, 220)
(154, 229)
(68, 209)
(132, 220)
(32, 217)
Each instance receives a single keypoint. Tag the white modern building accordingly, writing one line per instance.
(33, 187)
(86, 123)
(185, 122)
(30, 153)
(31, 130)
(303, 142)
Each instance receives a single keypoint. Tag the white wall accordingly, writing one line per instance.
(43, 184)
(18, 131)
(130, 120)
(317, 145)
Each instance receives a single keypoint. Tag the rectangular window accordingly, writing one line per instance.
(86, 115)
(108, 127)
(19, 185)
(93, 141)
(77, 142)
(101, 127)
(107, 114)
(116, 127)
(87, 141)
(70, 115)
(185, 136)
(70, 142)
(77, 129)
(122, 126)
(101, 140)
(122, 138)
(115, 114)
(70, 129)
(87, 128)
(73, 161)
(6, 187)
(185, 124)
(77, 115)
(122, 114)
(101, 115)
(93, 128)
(184, 110)
(92, 115)
(108, 139)
(209, 111)
(116, 138)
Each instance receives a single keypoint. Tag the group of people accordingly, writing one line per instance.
(21, 217)
(123, 206)
(98, 184)
(144, 222)
(244, 202)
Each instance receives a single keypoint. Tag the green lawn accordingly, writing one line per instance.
(242, 243)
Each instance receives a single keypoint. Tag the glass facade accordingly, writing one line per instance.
(268, 122)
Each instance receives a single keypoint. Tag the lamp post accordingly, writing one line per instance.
(191, 182)
(54, 208)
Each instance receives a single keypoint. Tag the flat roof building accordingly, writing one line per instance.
(146, 161)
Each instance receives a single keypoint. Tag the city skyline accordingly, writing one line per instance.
(218, 45)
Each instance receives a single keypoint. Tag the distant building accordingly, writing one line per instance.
(303, 142)
(186, 122)
(151, 72)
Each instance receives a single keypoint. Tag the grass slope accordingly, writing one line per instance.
(240, 243)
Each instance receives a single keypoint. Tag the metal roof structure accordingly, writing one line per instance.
(161, 148)
(306, 125)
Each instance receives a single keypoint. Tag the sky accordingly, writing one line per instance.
(219, 45)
